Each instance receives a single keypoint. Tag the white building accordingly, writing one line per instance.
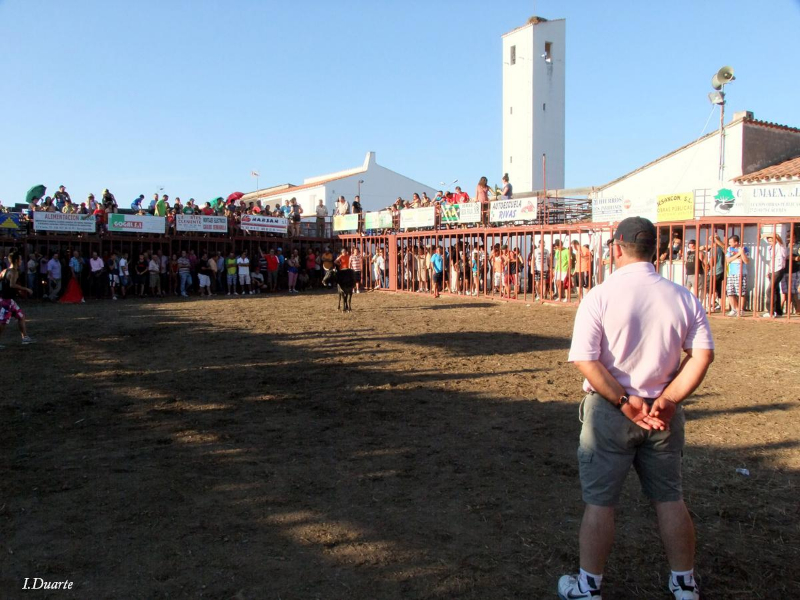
(378, 186)
(534, 63)
(759, 185)
(750, 146)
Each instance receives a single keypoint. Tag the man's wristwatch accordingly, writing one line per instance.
(623, 400)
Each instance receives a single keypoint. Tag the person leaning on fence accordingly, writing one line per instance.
(776, 269)
(737, 258)
(628, 340)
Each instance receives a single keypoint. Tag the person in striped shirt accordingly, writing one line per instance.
(356, 262)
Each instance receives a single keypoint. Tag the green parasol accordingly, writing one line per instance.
(36, 192)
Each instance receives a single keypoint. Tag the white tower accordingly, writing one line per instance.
(533, 103)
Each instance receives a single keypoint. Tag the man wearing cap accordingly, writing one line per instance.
(628, 340)
(61, 197)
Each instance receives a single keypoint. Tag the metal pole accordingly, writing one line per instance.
(722, 137)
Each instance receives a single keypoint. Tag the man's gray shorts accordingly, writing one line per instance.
(610, 443)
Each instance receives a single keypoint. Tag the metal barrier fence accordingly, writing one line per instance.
(549, 211)
(44, 244)
(309, 227)
(525, 271)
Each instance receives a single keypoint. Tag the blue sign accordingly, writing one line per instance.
(10, 221)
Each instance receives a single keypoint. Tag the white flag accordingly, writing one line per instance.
(254, 174)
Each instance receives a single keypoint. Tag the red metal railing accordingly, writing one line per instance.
(471, 269)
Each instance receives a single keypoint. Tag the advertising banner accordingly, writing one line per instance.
(523, 209)
(378, 220)
(675, 207)
(615, 209)
(204, 223)
(53, 221)
(264, 224)
(607, 210)
(345, 223)
(418, 217)
(10, 221)
(136, 224)
(461, 213)
(757, 201)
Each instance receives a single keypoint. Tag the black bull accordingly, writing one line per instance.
(345, 280)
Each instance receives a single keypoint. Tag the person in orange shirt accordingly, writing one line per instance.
(343, 260)
(585, 265)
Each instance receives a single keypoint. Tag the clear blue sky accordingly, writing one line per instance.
(192, 95)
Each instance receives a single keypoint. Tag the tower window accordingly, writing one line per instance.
(513, 57)
(510, 159)
(548, 52)
(544, 106)
(511, 110)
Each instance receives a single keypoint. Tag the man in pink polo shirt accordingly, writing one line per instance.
(630, 333)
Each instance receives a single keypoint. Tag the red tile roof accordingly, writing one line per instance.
(771, 125)
(789, 168)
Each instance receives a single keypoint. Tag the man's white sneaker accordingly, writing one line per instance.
(731, 313)
(565, 299)
(570, 589)
(27, 340)
(682, 590)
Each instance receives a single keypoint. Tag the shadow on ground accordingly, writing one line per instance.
(162, 455)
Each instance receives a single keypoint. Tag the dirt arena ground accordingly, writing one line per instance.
(264, 447)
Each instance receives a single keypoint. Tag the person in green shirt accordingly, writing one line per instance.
(189, 208)
(561, 270)
(231, 270)
(161, 207)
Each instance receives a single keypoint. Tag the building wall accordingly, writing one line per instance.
(381, 188)
(767, 146)
(534, 105)
(692, 169)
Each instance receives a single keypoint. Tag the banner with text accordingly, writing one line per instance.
(461, 213)
(523, 209)
(616, 208)
(264, 224)
(345, 222)
(52, 221)
(378, 220)
(607, 210)
(757, 201)
(135, 224)
(418, 217)
(204, 223)
(675, 207)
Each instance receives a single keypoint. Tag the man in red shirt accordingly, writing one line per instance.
(273, 265)
(460, 197)
(207, 210)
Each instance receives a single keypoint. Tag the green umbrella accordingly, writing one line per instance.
(36, 192)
